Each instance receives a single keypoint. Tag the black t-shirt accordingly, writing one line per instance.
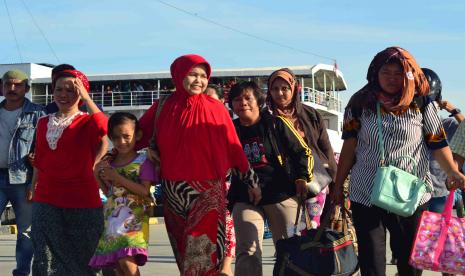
(273, 179)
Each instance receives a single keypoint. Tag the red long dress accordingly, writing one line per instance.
(198, 145)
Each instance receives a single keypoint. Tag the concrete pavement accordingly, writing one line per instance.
(161, 260)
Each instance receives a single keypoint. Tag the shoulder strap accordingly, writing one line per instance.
(161, 102)
(380, 133)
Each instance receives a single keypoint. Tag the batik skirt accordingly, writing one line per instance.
(195, 219)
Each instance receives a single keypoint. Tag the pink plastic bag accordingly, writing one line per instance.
(440, 241)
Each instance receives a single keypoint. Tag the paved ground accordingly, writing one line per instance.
(161, 260)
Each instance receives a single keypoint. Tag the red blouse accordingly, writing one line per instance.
(65, 175)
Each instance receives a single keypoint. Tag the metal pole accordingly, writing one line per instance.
(312, 91)
(103, 95)
(302, 90)
(46, 94)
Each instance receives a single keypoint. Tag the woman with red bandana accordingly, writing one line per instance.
(197, 146)
(67, 216)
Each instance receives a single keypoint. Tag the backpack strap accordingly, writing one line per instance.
(161, 102)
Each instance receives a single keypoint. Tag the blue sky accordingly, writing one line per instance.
(108, 36)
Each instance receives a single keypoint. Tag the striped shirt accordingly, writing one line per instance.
(408, 134)
(457, 144)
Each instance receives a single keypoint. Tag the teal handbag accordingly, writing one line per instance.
(394, 189)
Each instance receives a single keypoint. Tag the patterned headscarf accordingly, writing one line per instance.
(291, 112)
(415, 82)
(71, 73)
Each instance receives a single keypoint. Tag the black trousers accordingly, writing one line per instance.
(370, 225)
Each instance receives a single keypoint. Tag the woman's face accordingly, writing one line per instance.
(65, 94)
(391, 78)
(281, 93)
(245, 105)
(196, 81)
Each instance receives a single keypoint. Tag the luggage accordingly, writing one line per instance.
(439, 242)
(322, 251)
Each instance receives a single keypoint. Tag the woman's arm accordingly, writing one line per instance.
(98, 171)
(346, 161)
(459, 159)
(32, 187)
(85, 97)
(102, 150)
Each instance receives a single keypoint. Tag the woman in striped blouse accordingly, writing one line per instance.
(411, 125)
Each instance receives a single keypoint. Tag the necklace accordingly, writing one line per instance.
(56, 126)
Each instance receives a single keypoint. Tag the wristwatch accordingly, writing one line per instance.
(454, 112)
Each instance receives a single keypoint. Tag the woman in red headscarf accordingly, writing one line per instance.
(67, 218)
(197, 146)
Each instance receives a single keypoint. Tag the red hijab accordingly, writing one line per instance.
(71, 73)
(195, 135)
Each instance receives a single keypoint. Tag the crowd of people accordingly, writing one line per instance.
(221, 178)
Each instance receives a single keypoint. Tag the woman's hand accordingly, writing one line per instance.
(81, 90)
(30, 193)
(301, 188)
(336, 194)
(448, 106)
(455, 180)
(255, 195)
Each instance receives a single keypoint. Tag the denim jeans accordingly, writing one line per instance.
(16, 194)
(437, 204)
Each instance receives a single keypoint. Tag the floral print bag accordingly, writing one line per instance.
(439, 243)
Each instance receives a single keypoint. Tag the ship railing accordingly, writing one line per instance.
(114, 98)
(329, 99)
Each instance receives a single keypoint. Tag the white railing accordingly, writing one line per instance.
(112, 99)
(328, 99)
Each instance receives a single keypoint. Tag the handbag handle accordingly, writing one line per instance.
(300, 205)
(380, 134)
(398, 193)
(447, 215)
(414, 169)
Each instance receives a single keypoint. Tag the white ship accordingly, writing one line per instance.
(135, 92)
